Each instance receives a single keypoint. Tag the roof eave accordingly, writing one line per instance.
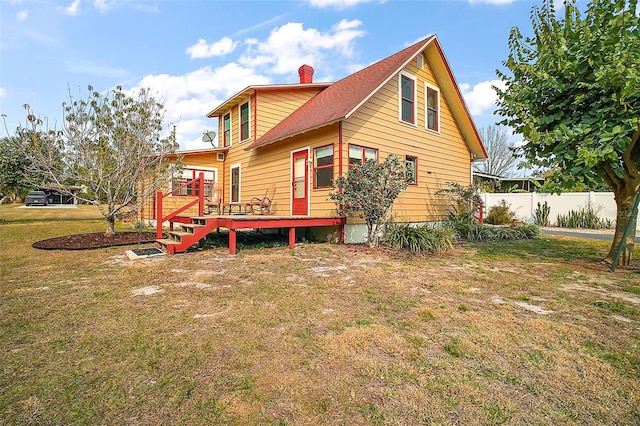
(258, 144)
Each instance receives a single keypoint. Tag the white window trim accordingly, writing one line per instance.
(415, 98)
(230, 113)
(239, 167)
(240, 122)
(426, 109)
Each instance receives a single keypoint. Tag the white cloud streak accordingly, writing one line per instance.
(335, 4)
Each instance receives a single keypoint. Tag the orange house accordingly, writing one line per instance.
(302, 136)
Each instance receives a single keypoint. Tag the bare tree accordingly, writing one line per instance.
(501, 156)
(110, 143)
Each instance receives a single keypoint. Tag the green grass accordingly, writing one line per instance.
(318, 334)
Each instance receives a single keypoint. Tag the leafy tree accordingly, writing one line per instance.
(501, 155)
(109, 143)
(573, 92)
(13, 165)
(369, 190)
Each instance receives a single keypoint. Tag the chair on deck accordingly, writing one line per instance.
(261, 205)
(213, 203)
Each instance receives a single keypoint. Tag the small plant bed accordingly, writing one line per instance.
(95, 240)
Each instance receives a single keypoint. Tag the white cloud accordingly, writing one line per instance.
(203, 50)
(481, 97)
(290, 46)
(22, 15)
(3, 92)
(73, 9)
(336, 4)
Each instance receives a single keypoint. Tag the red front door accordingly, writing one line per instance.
(299, 183)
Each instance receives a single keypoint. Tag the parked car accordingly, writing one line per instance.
(36, 197)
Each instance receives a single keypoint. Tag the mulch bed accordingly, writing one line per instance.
(95, 240)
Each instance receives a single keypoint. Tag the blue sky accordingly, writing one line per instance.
(195, 54)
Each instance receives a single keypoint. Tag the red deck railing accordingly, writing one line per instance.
(160, 219)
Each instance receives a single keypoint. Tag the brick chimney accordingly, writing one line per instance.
(306, 74)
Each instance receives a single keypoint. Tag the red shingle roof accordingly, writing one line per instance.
(342, 98)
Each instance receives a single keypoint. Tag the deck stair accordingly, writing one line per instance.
(188, 234)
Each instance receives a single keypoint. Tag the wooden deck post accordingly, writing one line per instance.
(292, 237)
(159, 215)
(232, 241)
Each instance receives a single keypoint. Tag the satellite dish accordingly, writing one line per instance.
(209, 137)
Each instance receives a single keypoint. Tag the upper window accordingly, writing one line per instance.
(191, 188)
(235, 183)
(411, 166)
(359, 153)
(226, 130)
(407, 97)
(244, 121)
(433, 109)
(323, 167)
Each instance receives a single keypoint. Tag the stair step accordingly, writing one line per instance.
(166, 242)
(191, 225)
(180, 233)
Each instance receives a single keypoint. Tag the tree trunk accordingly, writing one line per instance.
(111, 225)
(625, 200)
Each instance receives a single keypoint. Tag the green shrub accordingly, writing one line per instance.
(584, 217)
(468, 229)
(423, 238)
(500, 214)
(541, 214)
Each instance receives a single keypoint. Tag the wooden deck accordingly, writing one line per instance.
(243, 221)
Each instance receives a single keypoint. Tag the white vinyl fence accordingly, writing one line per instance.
(524, 204)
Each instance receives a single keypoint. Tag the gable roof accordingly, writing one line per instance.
(343, 98)
(247, 91)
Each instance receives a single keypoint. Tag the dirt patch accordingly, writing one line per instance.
(95, 240)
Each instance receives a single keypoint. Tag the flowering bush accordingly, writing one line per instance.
(368, 190)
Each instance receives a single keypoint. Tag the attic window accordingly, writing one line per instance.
(407, 95)
(244, 121)
(433, 108)
(226, 130)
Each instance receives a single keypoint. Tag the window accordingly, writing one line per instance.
(192, 189)
(235, 183)
(226, 130)
(407, 99)
(433, 109)
(358, 153)
(411, 166)
(244, 121)
(323, 167)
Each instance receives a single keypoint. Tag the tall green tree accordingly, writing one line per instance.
(110, 143)
(13, 166)
(573, 92)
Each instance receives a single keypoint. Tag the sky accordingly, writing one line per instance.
(194, 54)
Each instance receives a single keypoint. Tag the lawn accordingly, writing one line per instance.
(533, 332)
